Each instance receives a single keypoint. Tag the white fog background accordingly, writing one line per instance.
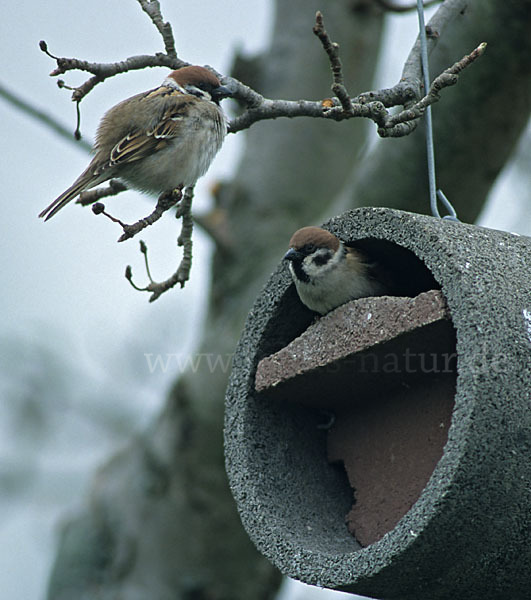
(74, 379)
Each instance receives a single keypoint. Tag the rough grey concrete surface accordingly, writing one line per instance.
(468, 535)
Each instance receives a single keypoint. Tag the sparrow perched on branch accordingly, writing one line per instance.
(327, 273)
(158, 140)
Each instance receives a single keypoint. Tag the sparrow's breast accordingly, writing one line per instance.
(205, 137)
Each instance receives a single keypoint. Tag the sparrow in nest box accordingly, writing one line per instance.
(328, 273)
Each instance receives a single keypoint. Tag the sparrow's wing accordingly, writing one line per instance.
(138, 145)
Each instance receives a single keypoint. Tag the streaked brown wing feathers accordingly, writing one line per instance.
(136, 146)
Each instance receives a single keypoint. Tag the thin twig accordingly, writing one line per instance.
(165, 201)
(90, 196)
(447, 78)
(332, 50)
(102, 71)
(25, 107)
(143, 249)
(445, 14)
(182, 274)
(152, 8)
(98, 208)
(77, 131)
(456, 68)
(129, 277)
(371, 105)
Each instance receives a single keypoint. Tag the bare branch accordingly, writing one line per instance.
(165, 202)
(396, 123)
(249, 97)
(370, 105)
(461, 64)
(152, 8)
(445, 14)
(332, 50)
(402, 93)
(182, 275)
(408, 91)
(102, 71)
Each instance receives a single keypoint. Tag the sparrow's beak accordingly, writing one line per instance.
(292, 255)
(220, 92)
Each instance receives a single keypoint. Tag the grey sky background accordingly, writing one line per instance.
(67, 309)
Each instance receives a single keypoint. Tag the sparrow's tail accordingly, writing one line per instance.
(83, 182)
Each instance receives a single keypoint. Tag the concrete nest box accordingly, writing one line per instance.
(385, 448)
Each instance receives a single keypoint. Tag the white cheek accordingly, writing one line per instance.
(292, 270)
(319, 271)
(310, 268)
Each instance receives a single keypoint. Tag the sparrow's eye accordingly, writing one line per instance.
(309, 248)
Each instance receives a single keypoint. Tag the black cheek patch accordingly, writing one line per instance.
(321, 259)
(300, 273)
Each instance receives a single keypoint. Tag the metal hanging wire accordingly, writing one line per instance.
(435, 194)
